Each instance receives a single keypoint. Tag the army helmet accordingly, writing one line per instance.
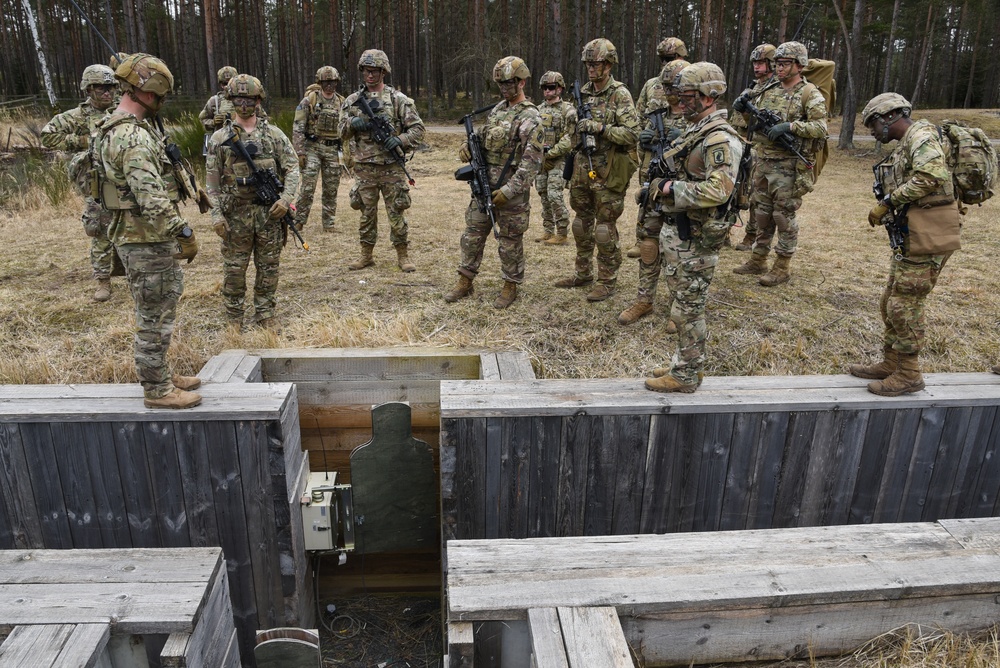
(706, 78)
(671, 46)
(225, 74)
(669, 72)
(327, 73)
(244, 85)
(97, 75)
(375, 58)
(794, 51)
(510, 67)
(884, 104)
(551, 77)
(763, 52)
(599, 50)
(147, 73)
(117, 59)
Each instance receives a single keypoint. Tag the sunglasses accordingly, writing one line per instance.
(507, 82)
(244, 101)
(550, 87)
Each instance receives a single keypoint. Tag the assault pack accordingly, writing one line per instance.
(822, 74)
(972, 159)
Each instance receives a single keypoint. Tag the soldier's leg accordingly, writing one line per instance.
(581, 199)
(368, 189)
(156, 282)
(477, 231)
(609, 209)
(310, 174)
(102, 251)
(761, 208)
(650, 259)
(236, 250)
(911, 280)
(548, 224)
(331, 184)
(396, 194)
(691, 282)
(556, 185)
(513, 223)
(267, 245)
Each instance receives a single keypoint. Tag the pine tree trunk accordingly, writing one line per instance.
(922, 72)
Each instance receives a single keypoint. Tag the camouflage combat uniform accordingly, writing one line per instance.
(251, 231)
(376, 171)
(316, 135)
(597, 208)
(651, 97)
(779, 178)
(217, 105)
(141, 191)
(508, 129)
(741, 123)
(558, 121)
(916, 174)
(71, 131)
(706, 184)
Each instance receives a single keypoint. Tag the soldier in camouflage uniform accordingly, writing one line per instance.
(598, 196)
(915, 175)
(316, 138)
(512, 130)
(218, 108)
(708, 177)
(780, 179)
(650, 223)
(71, 131)
(137, 184)
(762, 60)
(375, 169)
(247, 227)
(558, 118)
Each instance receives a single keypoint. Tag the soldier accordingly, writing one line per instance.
(375, 168)
(916, 180)
(648, 228)
(558, 118)
(781, 179)
(707, 182)
(316, 138)
(138, 186)
(512, 136)
(762, 60)
(599, 181)
(71, 131)
(218, 108)
(245, 226)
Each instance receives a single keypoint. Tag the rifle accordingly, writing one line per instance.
(587, 142)
(894, 221)
(477, 172)
(767, 120)
(381, 130)
(662, 166)
(266, 183)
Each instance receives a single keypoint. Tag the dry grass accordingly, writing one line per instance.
(50, 331)
(987, 119)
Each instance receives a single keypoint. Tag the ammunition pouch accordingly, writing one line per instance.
(621, 166)
(117, 199)
(465, 173)
(933, 230)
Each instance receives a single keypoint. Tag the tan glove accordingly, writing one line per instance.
(499, 199)
(204, 203)
(189, 248)
(302, 160)
(878, 212)
(548, 163)
(464, 155)
(219, 120)
(221, 228)
(278, 209)
(84, 141)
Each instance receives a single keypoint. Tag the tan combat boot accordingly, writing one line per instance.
(747, 242)
(905, 379)
(402, 260)
(103, 292)
(878, 371)
(186, 383)
(756, 265)
(365, 260)
(546, 235)
(506, 296)
(573, 282)
(600, 292)
(557, 240)
(271, 324)
(667, 383)
(177, 398)
(635, 251)
(634, 312)
(995, 369)
(779, 272)
(462, 289)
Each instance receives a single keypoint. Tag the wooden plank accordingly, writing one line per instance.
(872, 466)
(470, 479)
(39, 451)
(170, 512)
(515, 475)
(354, 416)
(489, 369)
(21, 522)
(138, 489)
(897, 464)
(106, 484)
(84, 647)
(449, 491)
(358, 364)
(196, 473)
(630, 436)
(660, 471)
(690, 437)
(220, 369)
(460, 645)
(35, 645)
(821, 467)
(927, 441)
(838, 488)
(948, 462)
(594, 637)
(174, 652)
(739, 477)
(978, 445)
(492, 480)
(574, 452)
(794, 465)
(106, 566)
(715, 450)
(75, 478)
(547, 647)
(977, 533)
(248, 371)
(515, 366)
(986, 493)
(543, 476)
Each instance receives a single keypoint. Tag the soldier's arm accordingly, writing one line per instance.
(565, 143)
(643, 101)
(348, 111)
(929, 171)
(213, 164)
(62, 133)
(624, 126)
(141, 165)
(207, 115)
(814, 125)
(299, 126)
(289, 163)
(531, 137)
(413, 126)
(722, 158)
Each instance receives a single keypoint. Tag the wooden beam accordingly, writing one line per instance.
(460, 645)
(547, 647)
(594, 637)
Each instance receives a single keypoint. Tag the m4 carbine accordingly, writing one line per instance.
(767, 119)
(477, 172)
(895, 220)
(381, 130)
(663, 166)
(588, 144)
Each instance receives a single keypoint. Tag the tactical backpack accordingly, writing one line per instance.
(972, 159)
(822, 74)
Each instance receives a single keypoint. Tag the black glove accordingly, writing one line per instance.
(673, 135)
(779, 129)
(392, 143)
(740, 103)
(646, 137)
(359, 124)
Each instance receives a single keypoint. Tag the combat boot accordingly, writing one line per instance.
(462, 289)
(103, 292)
(271, 324)
(557, 240)
(600, 292)
(878, 371)
(635, 251)
(177, 398)
(546, 235)
(365, 260)
(507, 295)
(995, 369)
(186, 383)
(779, 272)
(402, 260)
(634, 312)
(756, 265)
(573, 282)
(905, 379)
(747, 243)
(667, 383)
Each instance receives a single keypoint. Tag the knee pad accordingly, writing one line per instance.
(602, 234)
(577, 227)
(649, 249)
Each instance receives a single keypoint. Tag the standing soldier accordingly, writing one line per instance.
(650, 223)
(71, 131)
(246, 226)
(376, 169)
(316, 138)
(919, 195)
(762, 60)
(138, 186)
(601, 173)
(780, 178)
(218, 108)
(512, 141)
(701, 192)
(558, 118)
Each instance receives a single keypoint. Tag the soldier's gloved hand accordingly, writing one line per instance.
(878, 212)
(499, 199)
(589, 126)
(189, 247)
(549, 163)
(84, 141)
(647, 137)
(359, 124)
(392, 143)
(302, 160)
(672, 135)
(464, 154)
(219, 120)
(779, 129)
(656, 188)
(221, 228)
(740, 103)
(278, 209)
